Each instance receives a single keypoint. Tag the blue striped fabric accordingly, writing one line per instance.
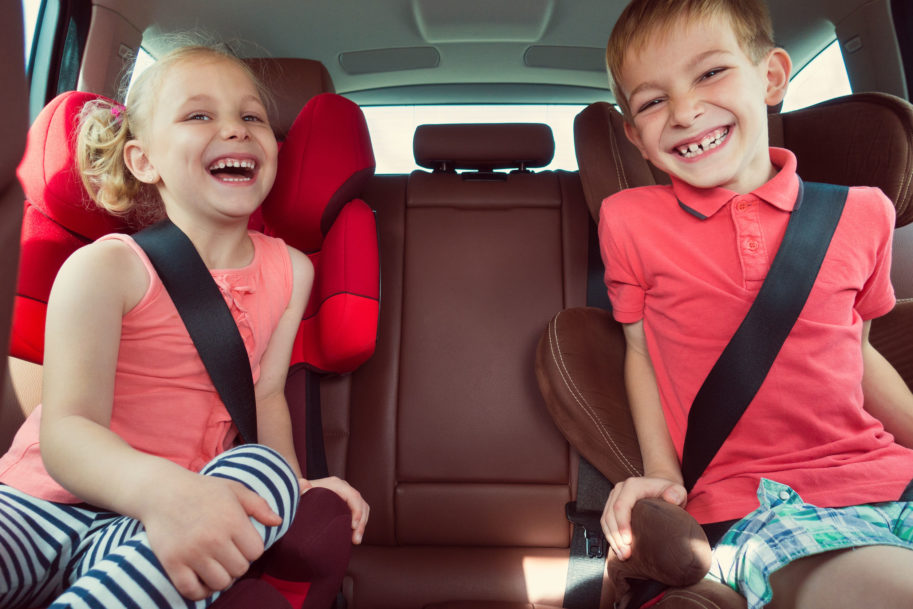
(80, 558)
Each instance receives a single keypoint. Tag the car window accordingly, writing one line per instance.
(30, 9)
(392, 128)
(143, 61)
(821, 79)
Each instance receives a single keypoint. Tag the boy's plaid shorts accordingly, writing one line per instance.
(784, 529)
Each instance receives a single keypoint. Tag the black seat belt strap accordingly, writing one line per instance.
(207, 318)
(589, 547)
(741, 369)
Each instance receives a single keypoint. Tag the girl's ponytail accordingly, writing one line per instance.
(103, 131)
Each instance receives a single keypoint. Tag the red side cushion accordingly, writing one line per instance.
(339, 330)
(59, 217)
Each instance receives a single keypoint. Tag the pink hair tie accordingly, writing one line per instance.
(117, 110)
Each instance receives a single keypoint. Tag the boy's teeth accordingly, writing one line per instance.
(710, 141)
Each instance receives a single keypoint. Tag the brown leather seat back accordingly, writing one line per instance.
(14, 103)
(447, 435)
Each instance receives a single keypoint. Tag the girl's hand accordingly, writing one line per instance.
(616, 517)
(202, 534)
(359, 507)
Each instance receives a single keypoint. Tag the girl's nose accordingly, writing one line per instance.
(235, 129)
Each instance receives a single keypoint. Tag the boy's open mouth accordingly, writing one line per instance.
(708, 142)
(233, 170)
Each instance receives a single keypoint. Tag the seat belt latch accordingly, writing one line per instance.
(596, 543)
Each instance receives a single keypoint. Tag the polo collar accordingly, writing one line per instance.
(780, 191)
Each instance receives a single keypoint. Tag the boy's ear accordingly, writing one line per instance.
(634, 138)
(139, 164)
(779, 67)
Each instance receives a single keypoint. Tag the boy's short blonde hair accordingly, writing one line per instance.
(642, 18)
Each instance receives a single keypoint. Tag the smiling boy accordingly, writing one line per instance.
(684, 262)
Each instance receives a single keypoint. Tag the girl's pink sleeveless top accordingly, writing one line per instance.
(164, 401)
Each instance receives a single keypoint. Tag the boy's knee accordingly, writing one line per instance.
(872, 576)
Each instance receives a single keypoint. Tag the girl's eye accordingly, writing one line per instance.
(198, 116)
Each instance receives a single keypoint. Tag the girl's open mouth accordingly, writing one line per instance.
(233, 170)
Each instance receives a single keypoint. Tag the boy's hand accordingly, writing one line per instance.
(616, 517)
(359, 507)
(200, 530)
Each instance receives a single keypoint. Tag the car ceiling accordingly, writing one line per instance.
(395, 51)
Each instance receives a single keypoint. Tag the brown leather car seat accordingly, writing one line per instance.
(14, 102)
(443, 431)
(862, 139)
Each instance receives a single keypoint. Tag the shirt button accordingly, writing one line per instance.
(742, 206)
(783, 495)
(752, 245)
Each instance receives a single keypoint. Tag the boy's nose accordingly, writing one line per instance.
(685, 110)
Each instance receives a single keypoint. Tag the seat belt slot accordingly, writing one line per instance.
(589, 520)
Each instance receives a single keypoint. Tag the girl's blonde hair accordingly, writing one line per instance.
(106, 127)
(641, 19)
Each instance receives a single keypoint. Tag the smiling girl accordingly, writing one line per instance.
(133, 492)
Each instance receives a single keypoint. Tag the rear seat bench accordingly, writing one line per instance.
(444, 430)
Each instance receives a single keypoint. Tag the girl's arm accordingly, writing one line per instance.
(274, 428)
(274, 425)
(198, 526)
(662, 472)
(887, 397)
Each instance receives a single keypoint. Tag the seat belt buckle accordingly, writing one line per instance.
(596, 543)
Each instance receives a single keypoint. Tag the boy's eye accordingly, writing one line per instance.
(253, 118)
(712, 73)
(648, 105)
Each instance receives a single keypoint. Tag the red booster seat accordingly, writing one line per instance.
(323, 163)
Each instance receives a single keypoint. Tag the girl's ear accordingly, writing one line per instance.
(138, 163)
(779, 67)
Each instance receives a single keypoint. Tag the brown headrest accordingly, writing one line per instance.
(293, 82)
(865, 139)
(483, 147)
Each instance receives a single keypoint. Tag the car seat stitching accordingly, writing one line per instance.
(616, 157)
(580, 399)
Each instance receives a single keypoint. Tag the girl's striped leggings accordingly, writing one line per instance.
(71, 556)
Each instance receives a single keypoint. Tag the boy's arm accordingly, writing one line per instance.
(198, 526)
(662, 472)
(887, 397)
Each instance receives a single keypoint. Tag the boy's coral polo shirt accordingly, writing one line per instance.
(689, 262)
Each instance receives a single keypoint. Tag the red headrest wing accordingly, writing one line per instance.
(59, 217)
(323, 164)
